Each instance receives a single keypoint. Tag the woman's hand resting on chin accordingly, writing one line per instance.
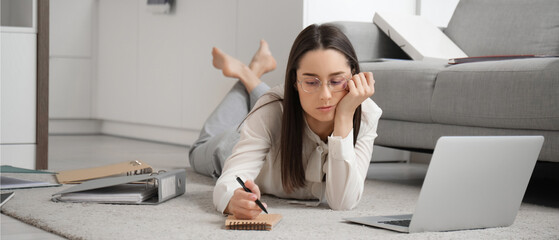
(360, 87)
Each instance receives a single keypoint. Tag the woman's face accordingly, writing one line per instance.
(326, 65)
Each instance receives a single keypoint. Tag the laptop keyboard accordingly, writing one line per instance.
(403, 223)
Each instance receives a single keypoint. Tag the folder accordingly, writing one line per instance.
(150, 189)
(7, 183)
(123, 168)
(12, 169)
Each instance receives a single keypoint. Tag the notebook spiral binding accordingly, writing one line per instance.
(248, 226)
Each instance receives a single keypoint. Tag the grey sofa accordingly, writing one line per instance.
(423, 100)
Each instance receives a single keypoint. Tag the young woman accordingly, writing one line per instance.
(311, 138)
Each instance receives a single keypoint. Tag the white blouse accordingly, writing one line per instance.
(257, 156)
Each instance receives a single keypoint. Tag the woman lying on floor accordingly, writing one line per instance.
(310, 138)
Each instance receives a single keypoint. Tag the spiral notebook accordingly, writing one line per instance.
(261, 222)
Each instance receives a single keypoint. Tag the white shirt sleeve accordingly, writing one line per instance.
(346, 167)
(248, 155)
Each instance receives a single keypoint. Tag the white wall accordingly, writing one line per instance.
(438, 12)
(320, 11)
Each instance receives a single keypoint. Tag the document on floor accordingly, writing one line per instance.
(16, 183)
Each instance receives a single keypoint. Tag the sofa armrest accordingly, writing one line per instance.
(369, 41)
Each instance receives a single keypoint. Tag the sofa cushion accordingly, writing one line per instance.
(497, 27)
(403, 88)
(516, 94)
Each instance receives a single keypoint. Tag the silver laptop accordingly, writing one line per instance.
(471, 183)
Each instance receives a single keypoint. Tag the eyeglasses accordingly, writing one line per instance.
(312, 84)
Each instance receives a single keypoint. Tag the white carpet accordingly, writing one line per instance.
(192, 216)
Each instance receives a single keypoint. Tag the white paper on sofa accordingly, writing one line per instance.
(418, 37)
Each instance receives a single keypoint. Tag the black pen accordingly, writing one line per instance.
(248, 190)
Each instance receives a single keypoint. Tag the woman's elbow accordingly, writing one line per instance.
(343, 205)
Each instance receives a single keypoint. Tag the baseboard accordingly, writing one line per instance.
(149, 132)
(123, 129)
(74, 126)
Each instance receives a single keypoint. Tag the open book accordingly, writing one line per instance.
(419, 38)
(261, 222)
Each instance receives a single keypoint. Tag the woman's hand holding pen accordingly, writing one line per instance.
(242, 204)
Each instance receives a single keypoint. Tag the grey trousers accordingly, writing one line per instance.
(220, 132)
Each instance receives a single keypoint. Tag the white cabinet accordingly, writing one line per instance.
(18, 86)
(155, 77)
(71, 58)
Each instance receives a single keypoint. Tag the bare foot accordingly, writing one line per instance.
(232, 67)
(262, 61)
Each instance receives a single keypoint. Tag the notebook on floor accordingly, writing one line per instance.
(471, 183)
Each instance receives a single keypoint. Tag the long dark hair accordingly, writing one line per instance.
(311, 38)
